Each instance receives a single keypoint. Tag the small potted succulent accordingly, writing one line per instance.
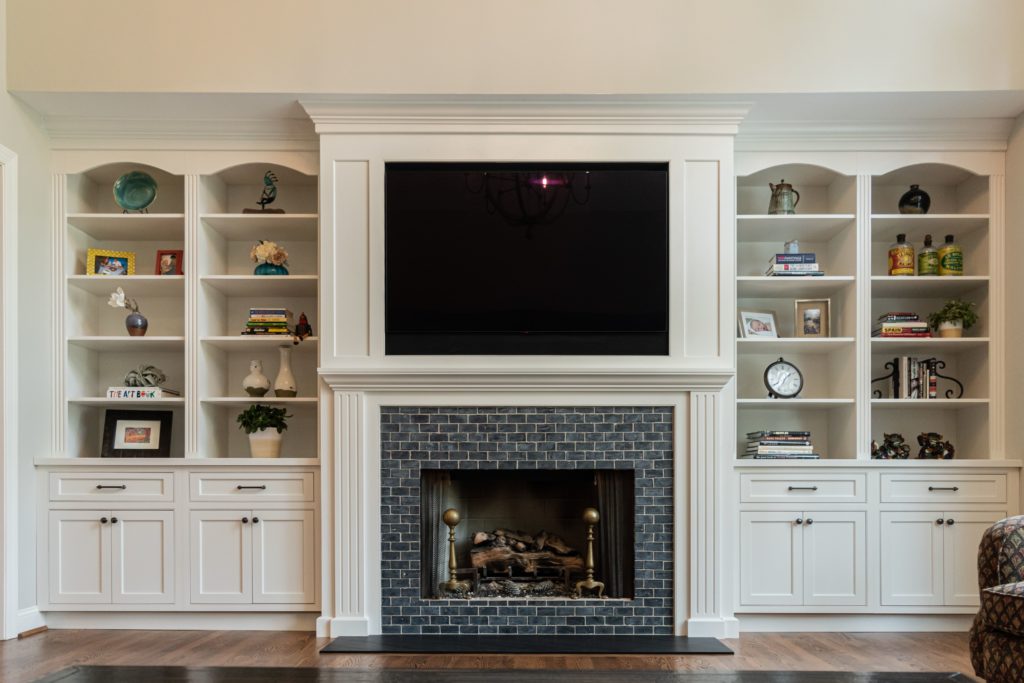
(269, 257)
(952, 319)
(136, 323)
(265, 426)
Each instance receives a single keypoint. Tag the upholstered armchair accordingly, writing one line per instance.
(997, 637)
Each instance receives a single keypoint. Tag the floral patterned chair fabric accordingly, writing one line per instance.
(997, 637)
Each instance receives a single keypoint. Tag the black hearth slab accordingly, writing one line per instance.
(526, 645)
(180, 674)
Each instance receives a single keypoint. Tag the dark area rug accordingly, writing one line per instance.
(177, 674)
(526, 645)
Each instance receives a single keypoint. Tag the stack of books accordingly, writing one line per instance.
(914, 378)
(779, 445)
(900, 324)
(793, 265)
(268, 321)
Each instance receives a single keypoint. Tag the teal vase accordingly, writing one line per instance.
(270, 269)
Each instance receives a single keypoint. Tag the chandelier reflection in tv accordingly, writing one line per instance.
(530, 198)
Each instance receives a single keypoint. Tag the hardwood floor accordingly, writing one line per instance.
(26, 660)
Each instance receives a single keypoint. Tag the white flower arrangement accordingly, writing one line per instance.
(269, 252)
(119, 300)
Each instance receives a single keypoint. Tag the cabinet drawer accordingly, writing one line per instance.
(132, 487)
(247, 486)
(943, 488)
(803, 488)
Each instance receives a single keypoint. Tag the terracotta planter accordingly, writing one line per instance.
(951, 329)
(266, 443)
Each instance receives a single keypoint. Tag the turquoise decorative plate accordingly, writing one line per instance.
(134, 191)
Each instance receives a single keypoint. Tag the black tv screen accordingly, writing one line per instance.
(525, 258)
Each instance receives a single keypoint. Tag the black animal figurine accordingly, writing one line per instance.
(933, 447)
(894, 447)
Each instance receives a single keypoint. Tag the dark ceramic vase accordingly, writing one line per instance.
(915, 200)
(136, 324)
(270, 269)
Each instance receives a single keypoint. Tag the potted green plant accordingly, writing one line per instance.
(952, 319)
(265, 426)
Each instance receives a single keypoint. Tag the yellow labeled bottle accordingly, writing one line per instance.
(901, 257)
(951, 258)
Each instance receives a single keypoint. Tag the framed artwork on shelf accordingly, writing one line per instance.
(169, 262)
(758, 325)
(109, 262)
(136, 434)
(813, 318)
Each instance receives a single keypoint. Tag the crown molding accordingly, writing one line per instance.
(960, 134)
(562, 114)
(73, 132)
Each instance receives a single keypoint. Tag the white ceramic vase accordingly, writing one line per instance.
(951, 329)
(256, 383)
(284, 384)
(266, 443)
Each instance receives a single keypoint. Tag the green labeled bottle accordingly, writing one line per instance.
(928, 258)
(951, 258)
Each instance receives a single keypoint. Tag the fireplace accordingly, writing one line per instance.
(573, 458)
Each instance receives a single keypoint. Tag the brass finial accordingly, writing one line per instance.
(451, 519)
(591, 516)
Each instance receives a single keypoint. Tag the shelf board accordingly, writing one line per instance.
(263, 285)
(791, 403)
(177, 462)
(120, 403)
(130, 227)
(962, 463)
(126, 343)
(793, 345)
(134, 285)
(257, 342)
(934, 345)
(246, 401)
(254, 226)
(930, 286)
(929, 403)
(765, 287)
(804, 227)
(885, 226)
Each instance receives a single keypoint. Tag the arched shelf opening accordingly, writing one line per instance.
(92, 191)
(822, 190)
(952, 189)
(239, 189)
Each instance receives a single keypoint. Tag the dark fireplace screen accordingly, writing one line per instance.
(527, 534)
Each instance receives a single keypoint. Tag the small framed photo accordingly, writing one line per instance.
(168, 262)
(758, 324)
(136, 434)
(107, 262)
(813, 318)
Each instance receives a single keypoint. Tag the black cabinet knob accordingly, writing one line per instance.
(113, 520)
(103, 520)
(809, 521)
(939, 521)
(799, 520)
(950, 522)
(255, 520)
(245, 520)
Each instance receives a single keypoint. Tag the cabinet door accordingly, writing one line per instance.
(960, 547)
(79, 547)
(221, 552)
(911, 557)
(835, 558)
(143, 556)
(771, 565)
(283, 556)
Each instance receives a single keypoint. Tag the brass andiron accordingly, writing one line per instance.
(591, 517)
(453, 585)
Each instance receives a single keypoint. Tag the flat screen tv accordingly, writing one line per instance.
(526, 258)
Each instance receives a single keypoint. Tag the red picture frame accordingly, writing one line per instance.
(169, 262)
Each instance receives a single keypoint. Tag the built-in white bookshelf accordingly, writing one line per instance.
(195, 319)
(849, 218)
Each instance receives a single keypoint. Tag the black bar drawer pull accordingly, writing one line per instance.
(803, 488)
(111, 486)
(943, 488)
(261, 487)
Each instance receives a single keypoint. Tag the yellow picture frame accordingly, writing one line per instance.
(109, 262)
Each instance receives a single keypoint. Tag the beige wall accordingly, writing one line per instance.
(1014, 288)
(20, 132)
(529, 46)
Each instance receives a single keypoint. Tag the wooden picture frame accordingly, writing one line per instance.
(169, 262)
(812, 318)
(109, 262)
(755, 324)
(136, 434)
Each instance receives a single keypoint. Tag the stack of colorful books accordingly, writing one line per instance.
(914, 378)
(779, 445)
(900, 324)
(790, 265)
(268, 321)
